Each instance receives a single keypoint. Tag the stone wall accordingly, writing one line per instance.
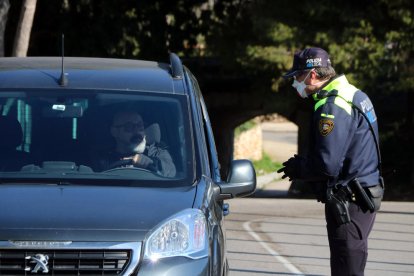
(248, 145)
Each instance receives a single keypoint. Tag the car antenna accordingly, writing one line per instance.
(63, 81)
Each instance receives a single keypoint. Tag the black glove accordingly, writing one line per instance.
(291, 168)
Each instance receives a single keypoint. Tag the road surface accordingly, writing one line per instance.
(280, 236)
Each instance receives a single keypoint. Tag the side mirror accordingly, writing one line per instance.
(241, 180)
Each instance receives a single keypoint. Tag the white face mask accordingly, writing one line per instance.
(140, 148)
(301, 86)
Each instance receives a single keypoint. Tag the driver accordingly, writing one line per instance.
(133, 148)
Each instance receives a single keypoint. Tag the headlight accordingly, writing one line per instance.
(183, 234)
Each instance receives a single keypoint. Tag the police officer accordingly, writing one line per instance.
(343, 162)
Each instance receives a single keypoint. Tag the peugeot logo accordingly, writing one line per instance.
(41, 262)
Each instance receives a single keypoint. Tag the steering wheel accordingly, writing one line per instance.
(120, 165)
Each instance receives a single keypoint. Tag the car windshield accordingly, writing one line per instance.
(74, 136)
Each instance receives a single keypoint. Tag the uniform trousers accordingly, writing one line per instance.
(348, 243)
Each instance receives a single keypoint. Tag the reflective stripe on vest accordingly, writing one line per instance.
(345, 93)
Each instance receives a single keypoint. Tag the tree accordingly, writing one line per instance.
(22, 38)
(4, 9)
(129, 29)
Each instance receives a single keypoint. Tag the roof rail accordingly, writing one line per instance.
(177, 71)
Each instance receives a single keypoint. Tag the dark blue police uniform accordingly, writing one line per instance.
(344, 149)
(343, 145)
(343, 164)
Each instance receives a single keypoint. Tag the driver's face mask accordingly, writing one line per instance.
(301, 86)
(140, 147)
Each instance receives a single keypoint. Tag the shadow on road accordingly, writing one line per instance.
(271, 194)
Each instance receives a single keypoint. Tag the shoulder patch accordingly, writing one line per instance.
(326, 126)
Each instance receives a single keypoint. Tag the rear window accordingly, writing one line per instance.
(95, 136)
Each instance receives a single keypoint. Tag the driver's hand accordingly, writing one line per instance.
(140, 160)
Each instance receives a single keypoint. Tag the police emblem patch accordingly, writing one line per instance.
(326, 126)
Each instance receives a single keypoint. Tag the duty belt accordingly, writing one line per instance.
(356, 193)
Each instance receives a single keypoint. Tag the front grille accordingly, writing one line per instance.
(64, 262)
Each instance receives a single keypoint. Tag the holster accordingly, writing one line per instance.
(338, 203)
(370, 198)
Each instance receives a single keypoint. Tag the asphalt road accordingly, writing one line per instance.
(280, 236)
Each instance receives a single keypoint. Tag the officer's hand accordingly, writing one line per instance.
(285, 174)
(290, 168)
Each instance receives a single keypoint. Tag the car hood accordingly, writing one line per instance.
(86, 213)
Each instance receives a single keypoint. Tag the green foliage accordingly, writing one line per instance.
(266, 165)
(368, 40)
(122, 28)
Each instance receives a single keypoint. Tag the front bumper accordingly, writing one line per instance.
(174, 266)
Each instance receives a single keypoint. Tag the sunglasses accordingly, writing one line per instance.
(131, 127)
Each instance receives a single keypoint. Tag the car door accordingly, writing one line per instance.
(216, 206)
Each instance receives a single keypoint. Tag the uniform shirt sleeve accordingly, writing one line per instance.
(332, 130)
